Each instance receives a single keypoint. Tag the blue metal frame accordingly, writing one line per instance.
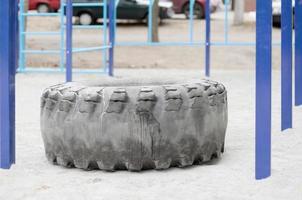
(112, 16)
(298, 53)
(286, 64)
(263, 88)
(192, 3)
(151, 2)
(226, 20)
(105, 35)
(8, 62)
(63, 44)
(69, 15)
(22, 37)
(208, 39)
(206, 43)
(115, 14)
(107, 46)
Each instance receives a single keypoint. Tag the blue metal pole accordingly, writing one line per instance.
(62, 55)
(115, 13)
(111, 35)
(13, 71)
(263, 88)
(8, 62)
(192, 2)
(226, 20)
(69, 14)
(208, 39)
(286, 64)
(21, 38)
(105, 42)
(17, 39)
(150, 20)
(298, 52)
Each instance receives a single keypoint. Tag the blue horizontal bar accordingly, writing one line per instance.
(89, 71)
(41, 51)
(87, 27)
(190, 44)
(240, 44)
(160, 43)
(58, 70)
(39, 70)
(41, 14)
(87, 49)
(233, 43)
(85, 4)
(40, 33)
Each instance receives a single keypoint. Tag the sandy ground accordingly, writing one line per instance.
(229, 178)
(172, 30)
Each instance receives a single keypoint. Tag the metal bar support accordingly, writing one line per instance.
(263, 88)
(208, 39)
(69, 14)
(298, 53)
(112, 22)
(8, 62)
(286, 64)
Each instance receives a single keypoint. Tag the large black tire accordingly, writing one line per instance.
(123, 125)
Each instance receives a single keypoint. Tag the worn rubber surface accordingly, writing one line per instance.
(121, 124)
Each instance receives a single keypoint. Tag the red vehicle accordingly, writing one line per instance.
(183, 6)
(44, 6)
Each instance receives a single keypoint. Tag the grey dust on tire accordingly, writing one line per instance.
(134, 125)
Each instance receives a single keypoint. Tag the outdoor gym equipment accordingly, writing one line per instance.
(65, 41)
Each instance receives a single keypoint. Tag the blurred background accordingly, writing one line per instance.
(232, 29)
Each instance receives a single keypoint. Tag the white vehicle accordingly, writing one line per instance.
(277, 11)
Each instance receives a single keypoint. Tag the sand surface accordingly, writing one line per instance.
(229, 178)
